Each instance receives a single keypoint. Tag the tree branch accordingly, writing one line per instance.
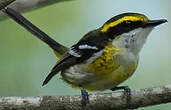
(105, 101)
(26, 5)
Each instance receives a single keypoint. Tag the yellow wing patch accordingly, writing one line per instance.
(131, 18)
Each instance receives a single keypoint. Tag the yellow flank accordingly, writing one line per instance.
(106, 63)
(131, 18)
(108, 69)
(122, 73)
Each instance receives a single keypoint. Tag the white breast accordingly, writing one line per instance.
(133, 41)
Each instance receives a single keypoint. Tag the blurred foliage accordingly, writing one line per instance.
(25, 61)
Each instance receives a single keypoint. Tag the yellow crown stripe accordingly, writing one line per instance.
(112, 24)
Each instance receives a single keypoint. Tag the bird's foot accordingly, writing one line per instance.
(127, 91)
(85, 97)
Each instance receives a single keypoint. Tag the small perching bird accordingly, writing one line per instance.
(103, 58)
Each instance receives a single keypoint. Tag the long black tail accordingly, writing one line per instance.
(60, 49)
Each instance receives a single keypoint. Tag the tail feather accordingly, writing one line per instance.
(35, 30)
(58, 48)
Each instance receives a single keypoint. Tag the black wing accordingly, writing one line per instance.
(66, 61)
(78, 53)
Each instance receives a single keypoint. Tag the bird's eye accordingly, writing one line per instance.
(128, 22)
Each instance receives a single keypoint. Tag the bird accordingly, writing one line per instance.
(103, 58)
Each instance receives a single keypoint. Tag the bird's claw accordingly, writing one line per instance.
(85, 97)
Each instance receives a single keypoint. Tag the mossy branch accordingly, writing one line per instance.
(103, 101)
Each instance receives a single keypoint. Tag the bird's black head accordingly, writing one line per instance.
(126, 22)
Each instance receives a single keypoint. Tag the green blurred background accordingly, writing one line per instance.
(25, 61)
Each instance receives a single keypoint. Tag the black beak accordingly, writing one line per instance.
(153, 23)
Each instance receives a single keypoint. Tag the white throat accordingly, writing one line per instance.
(133, 41)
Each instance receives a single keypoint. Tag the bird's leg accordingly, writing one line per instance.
(85, 97)
(127, 91)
